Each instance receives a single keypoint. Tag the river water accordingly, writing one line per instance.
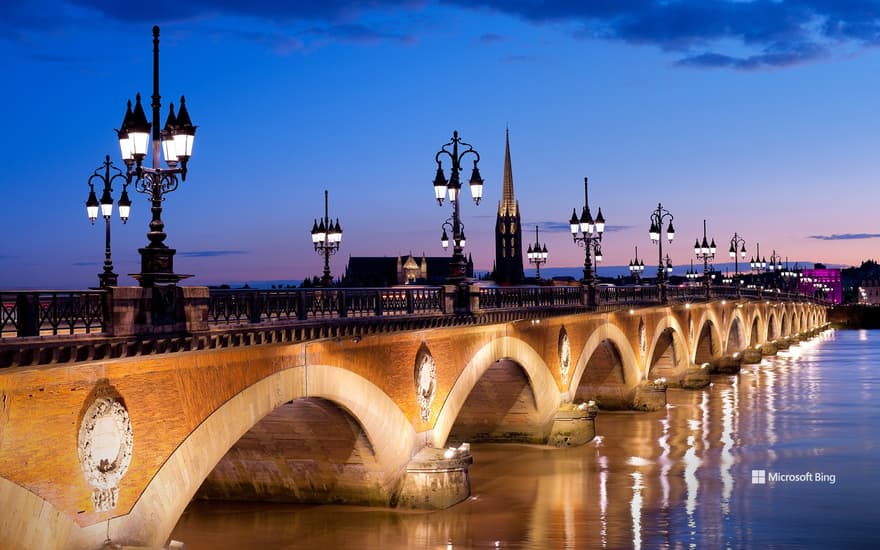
(684, 477)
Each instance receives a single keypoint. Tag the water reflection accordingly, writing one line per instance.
(636, 510)
(675, 478)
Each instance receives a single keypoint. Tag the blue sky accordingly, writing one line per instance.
(759, 116)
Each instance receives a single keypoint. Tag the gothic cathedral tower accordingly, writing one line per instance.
(508, 233)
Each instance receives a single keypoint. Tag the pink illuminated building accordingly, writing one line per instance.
(822, 282)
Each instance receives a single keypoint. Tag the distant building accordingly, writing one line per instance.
(508, 230)
(400, 270)
(822, 281)
(869, 292)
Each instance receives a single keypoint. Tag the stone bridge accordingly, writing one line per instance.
(108, 437)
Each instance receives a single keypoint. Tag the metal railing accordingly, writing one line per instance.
(52, 312)
(258, 306)
(529, 296)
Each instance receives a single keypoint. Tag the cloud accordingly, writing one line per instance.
(268, 10)
(779, 34)
(491, 38)
(212, 253)
(355, 32)
(732, 34)
(778, 55)
(518, 59)
(559, 227)
(280, 21)
(845, 236)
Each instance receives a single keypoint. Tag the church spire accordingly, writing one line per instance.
(508, 206)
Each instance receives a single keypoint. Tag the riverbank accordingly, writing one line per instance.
(854, 316)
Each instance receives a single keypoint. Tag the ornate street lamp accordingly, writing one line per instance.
(706, 252)
(756, 263)
(691, 274)
(590, 239)
(537, 255)
(791, 276)
(175, 141)
(737, 243)
(655, 231)
(636, 266)
(326, 238)
(107, 278)
(457, 266)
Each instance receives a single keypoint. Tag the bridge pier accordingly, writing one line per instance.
(752, 356)
(769, 348)
(696, 377)
(650, 396)
(573, 425)
(436, 479)
(729, 364)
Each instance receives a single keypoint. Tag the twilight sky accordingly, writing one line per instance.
(760, 116)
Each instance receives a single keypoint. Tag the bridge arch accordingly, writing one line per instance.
(159, 507)
(755, 338)
(707, 343)
(607, 368)
(783, 324)
(544, 388)
(736, 335)
(772, 331)
(667, 355)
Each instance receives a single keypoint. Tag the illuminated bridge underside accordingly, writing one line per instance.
(332, 420)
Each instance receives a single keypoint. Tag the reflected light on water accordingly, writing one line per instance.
(636, 510)
(728, 407)
(769, 403)
(665, 462)
(603, 500)
(692, 464)
(704, 418)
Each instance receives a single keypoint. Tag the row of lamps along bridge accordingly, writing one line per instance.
(139, 138)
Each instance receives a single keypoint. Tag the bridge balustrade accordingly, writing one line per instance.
(256, 306)
(52, 312)
(529, 296)
(58, 313)
(614, 297)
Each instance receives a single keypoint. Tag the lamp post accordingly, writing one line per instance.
(756, 263)
(636, 266)
(326, 238)
(692, 274)
(457, 266)
(107, 278)
(174, 142)
(737, 243)
(537, 255)
(791, 276)
(657, 218)
(706, 252)
(590, 239)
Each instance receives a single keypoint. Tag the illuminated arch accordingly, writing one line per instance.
(707, 338)
(388, 430)
(615, 335)
(669, 350)
(736, 335)
(543, 385)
